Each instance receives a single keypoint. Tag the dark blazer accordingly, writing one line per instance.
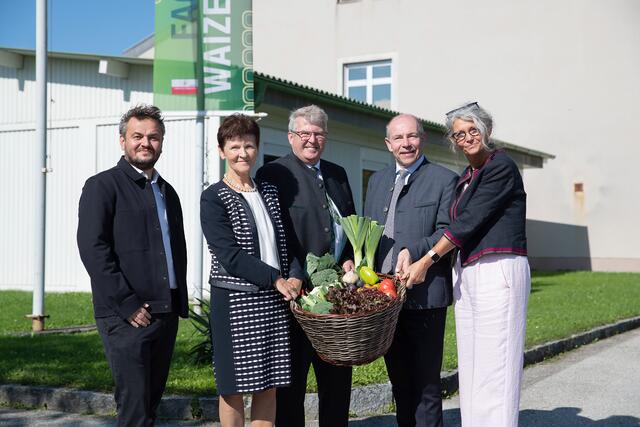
(232, 236)
(489, 216)
(303, 196)
(420, 220)
(121, 246)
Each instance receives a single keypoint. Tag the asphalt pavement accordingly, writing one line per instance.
(597, 385)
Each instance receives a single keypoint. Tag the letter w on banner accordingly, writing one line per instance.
(203, 55)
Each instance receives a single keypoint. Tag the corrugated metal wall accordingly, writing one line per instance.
(74, 154)
(83, 119)
(68, 160)
(16, 186)
(76, 91)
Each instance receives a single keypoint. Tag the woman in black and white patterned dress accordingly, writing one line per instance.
(253, 276)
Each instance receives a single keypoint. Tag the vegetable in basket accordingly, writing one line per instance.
(356, 228)
(361, 230)
(315, 263)
(346, 295)
(324, 278)
(368, 276)
(374, 234)
(323, 274)
(316, 301)
(350, 278)
(388, 288)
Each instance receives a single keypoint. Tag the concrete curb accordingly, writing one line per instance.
(365, 401)
(553, 348)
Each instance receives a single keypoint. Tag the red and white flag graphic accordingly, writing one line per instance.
(184, 86)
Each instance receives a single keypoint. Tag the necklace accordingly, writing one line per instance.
(237, 187)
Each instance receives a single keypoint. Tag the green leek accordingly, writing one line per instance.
(356, 228)
(373, 238)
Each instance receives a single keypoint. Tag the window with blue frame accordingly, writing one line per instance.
(369, 82)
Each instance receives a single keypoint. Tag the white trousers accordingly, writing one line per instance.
(490, 297)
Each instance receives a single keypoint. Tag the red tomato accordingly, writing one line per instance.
(387, 287)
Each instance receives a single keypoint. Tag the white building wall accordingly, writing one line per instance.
(560, 77)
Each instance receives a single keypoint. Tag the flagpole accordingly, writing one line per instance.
(198, 174)
(40, 168)
(196, 231)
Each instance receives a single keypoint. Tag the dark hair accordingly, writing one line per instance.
(140, 112)
(237, 125)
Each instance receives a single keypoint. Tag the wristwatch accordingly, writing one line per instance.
(434, 256)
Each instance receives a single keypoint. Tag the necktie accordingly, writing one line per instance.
(330, 206)
(390, 223)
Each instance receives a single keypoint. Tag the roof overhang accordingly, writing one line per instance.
(264, 83)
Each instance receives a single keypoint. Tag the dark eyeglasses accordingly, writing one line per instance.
(305, 135)
(471, 105)
(462, 135)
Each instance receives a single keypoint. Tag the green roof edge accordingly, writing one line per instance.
(293, 88)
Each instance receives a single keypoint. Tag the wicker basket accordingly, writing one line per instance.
(352, 339)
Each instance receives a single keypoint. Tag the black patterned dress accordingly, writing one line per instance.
(249, 318)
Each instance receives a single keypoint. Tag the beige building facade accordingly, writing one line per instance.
(558, 76)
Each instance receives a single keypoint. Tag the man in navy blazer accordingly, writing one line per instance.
(131, 241)
(414, 194)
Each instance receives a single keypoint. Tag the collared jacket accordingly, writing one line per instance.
(302, 194)
(232, 235)
(421, 217)
(488, 214)
(120, 243)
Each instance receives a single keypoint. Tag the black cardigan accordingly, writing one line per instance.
(303, 197)
(232, 236)
(489, 215)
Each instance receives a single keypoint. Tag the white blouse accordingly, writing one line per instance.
(266, 234)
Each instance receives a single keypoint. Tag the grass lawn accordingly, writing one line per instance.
(560, 304)
(66, 309)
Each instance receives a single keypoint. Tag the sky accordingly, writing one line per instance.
(80, 26)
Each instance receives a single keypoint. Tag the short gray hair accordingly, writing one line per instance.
(140, 112)
(418, 123)
(311, 113)
(480, 118)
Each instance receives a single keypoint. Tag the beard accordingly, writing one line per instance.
(141, 162)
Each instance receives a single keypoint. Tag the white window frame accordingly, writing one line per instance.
(344, 84)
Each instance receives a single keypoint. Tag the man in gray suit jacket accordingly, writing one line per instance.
(412, 199)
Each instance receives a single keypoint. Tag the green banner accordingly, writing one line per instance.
(203, 55)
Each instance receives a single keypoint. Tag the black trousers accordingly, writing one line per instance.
(413, 362)
(334, 387)
(139, 359)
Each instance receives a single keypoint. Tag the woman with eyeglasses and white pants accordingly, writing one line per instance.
(491, 277)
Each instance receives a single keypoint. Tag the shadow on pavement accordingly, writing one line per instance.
(561, 417)
(451, 418)
(376, 421)
(569, 417)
